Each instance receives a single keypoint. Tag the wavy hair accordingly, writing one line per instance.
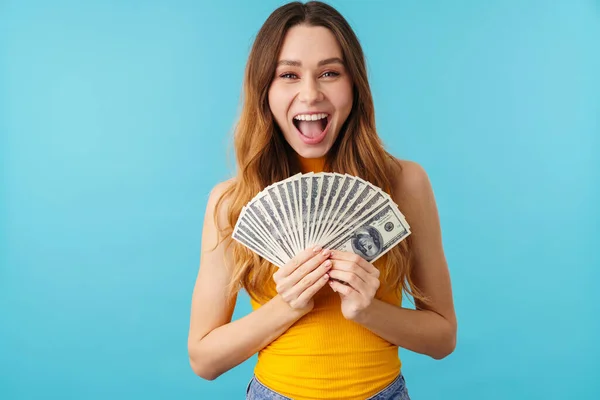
(263, 156)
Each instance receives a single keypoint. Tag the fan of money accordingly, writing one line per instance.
(336, 211)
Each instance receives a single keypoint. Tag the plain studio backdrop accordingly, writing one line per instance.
(115, 123)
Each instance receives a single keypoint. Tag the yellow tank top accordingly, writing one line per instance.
(325, 356)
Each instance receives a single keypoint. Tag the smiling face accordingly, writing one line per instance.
(311, 93)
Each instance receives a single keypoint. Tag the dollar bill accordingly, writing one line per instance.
(376, 235)
(324, 196)
(284, 189)
(253, 222)
(281, 215)
(264, 218)
(315, 190)
(246, 235)
(305, 197)
(322, 224)
(345, 184)
(376, 200)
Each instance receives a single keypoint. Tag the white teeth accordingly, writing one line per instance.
(310, 117)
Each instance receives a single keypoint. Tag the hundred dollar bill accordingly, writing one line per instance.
(264, 218)
(284, 189)
(305, 197)
(245, 235)
(375, 202)
(374, 236)
(295, 195)
(356, 208)
(315, 198)
(336, 182)
(344, 184)
(281, 212)
(254, 222)
(324, 196)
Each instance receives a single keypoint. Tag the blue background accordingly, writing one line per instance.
(115, 123)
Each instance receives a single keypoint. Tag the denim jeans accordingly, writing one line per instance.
(394, 391)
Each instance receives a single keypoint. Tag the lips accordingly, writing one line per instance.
(311, 126)
(317, 138)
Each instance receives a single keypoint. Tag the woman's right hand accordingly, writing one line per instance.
(302, 277)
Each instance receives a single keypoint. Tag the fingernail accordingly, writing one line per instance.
(317, 249)
(327, 263)
(326, 252)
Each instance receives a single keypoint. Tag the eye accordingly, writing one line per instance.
(330, 74)
(288, 75)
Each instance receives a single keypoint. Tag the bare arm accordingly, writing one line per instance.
(215, 344)
(421, 331)
(430, 329)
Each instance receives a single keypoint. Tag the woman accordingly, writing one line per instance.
(328, 324)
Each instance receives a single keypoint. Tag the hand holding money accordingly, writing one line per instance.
(361, 278)
(302, 277)
(330, 210)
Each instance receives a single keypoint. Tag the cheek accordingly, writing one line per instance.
(342, 98)
(277, 104)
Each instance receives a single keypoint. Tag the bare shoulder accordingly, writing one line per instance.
(414, 195)
(220, 188)
(212, 225)
(411, 183)
(215, 195)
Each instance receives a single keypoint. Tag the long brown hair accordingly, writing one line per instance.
(264, 157)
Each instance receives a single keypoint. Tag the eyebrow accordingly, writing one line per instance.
(295, 63)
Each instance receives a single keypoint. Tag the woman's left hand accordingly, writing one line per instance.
(362, 280)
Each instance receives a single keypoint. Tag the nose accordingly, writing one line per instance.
(310, 92)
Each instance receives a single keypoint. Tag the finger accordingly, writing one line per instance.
(310, 265)
(307, 294)
(348, 266)
(297, 261)
(308, 280)
(343, 289)
(352, 279)
(347, 256)
(304, 276)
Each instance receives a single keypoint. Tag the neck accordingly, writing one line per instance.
(310, 164)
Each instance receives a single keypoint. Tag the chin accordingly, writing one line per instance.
(313, 153)
(310, 152)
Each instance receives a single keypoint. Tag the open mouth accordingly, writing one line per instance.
(311, 126)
